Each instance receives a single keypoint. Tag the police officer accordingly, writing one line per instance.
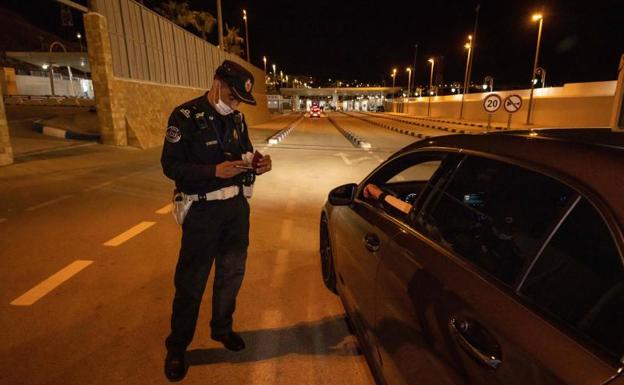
(207, 153)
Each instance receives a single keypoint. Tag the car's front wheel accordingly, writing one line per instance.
(327, 258)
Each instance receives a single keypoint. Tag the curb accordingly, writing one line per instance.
(355, 140)
(392, 128)
(284, 132)
(39, 127)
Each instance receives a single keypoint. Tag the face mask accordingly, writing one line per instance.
(221, 107)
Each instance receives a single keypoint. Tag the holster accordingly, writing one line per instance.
(181, 206)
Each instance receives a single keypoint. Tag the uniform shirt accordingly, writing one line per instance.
(197, 139)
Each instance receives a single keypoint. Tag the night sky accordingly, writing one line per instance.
(348, 40)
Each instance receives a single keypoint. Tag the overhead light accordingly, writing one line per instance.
(45, 66)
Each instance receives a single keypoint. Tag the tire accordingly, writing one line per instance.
(327, 257)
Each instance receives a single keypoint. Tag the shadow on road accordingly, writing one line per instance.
(327, 336)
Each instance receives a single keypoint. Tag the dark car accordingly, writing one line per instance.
(507, 268)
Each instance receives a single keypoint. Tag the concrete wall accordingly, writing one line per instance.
(575, 104)
(135, 112)
(6, 151)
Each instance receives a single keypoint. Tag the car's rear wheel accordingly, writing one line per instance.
(327, 258)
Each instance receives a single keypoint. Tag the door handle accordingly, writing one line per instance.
(476, 341)
(371, 242)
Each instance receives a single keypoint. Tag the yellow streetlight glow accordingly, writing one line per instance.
(537, 16)
(431, 61)
(470, 37)
(408, 69)
(244, 15)
(467, 46)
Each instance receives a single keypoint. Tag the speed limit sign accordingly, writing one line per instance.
(492, 103)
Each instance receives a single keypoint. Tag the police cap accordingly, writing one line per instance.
(239, 79)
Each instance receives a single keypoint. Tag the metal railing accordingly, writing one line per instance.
(146, 46)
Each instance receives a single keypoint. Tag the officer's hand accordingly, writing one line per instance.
(372, 191)
(264, 165)
(228, 169)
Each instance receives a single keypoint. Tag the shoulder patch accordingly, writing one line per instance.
(173, 134)
(185, 112)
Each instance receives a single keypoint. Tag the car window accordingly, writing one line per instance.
(579, 279)
(495, 215)
(406, 177)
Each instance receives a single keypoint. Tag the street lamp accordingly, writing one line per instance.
(79, 37)
(430, 86)
(540, 18)
(246, 35)
(468, 46)
(264, 61)
(409, 80)
(274, 74)
(488, 82)
(542, 73)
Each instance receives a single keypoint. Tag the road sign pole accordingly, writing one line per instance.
(509, 121)
(489, 121)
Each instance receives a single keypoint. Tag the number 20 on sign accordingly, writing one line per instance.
(491, 104)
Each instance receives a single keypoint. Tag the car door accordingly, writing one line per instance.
(472, 244)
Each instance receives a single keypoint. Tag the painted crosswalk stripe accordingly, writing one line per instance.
(165, 210)
(48, 203)
(39, 291)
(126, 235)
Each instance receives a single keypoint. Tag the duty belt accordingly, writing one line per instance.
(221, 194)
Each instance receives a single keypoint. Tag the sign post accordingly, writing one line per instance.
(512, 104)
(491, 104)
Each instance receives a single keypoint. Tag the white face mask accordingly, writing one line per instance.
(221, 107)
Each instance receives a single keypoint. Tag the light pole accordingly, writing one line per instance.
(79, 36)
(540, 18)
(394, 70)
(274, 75)
(220, 24)
(409, 80)
(468, 46)
(430, 86)
(264, 61)
(488, 82)
(246, 35)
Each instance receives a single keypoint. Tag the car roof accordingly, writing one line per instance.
(593, 158)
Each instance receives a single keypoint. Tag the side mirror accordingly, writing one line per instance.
(343, 195)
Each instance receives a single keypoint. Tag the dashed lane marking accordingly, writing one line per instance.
(165, 210)
(286, 231)
(128, 234)
(280, 268)
(39, 291)
(98, 186)
(48, 203)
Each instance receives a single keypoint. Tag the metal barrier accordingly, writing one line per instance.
(149, 47)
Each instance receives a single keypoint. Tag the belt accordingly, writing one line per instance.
(221, 194)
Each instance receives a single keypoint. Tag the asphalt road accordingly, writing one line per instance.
(88, 249)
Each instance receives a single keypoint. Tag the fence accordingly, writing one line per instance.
(149, 47)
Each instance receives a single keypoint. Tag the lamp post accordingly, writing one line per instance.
(468, 46)
(542, 73)
(264, 61)
(540, 18)
(79, 37)
(246, 34)
(488, 82)
(274, 75)
(430, 86)
(409, 80)
(394, 70)
(220, 24)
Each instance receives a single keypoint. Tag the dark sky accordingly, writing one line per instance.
(582, 40)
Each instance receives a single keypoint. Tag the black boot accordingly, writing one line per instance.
(175, 367)
(232, 341)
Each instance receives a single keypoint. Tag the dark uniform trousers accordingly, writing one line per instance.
(212, 231)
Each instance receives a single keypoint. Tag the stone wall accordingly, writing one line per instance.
(132, 112)
(6, 151)
(147, 107)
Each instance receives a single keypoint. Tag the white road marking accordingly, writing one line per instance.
(358, 160)
(286, 231)
(344, 158)
(165, 210)
(48, 203)
(280, 268)
(98, 186)
(126, 235)
(37, 292)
